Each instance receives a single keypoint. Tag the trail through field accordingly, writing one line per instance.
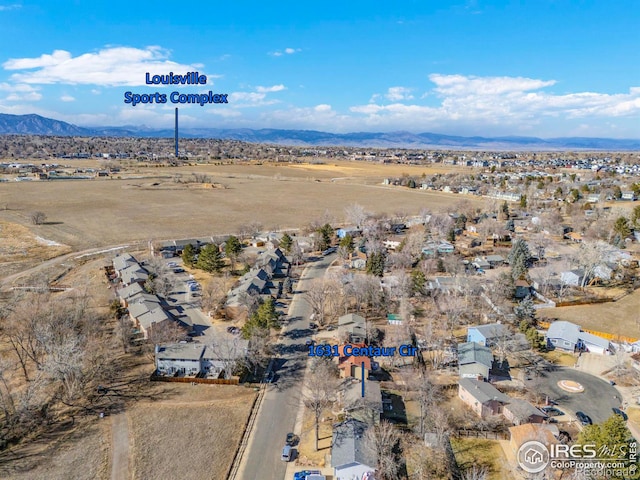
(119, 447)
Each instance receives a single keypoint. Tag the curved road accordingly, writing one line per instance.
(597, 400)
(279, 408)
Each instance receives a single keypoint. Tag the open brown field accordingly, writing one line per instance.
(618, 318)
(81, 454)
(95, 213)
(192, 435)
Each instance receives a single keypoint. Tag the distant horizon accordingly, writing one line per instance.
(491, 68)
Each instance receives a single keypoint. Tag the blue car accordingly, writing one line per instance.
(303, 474)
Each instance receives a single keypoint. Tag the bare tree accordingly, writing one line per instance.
(320, 390)
(38, 218)
(213, 295)
(356, 214)
(318, 297)
(383, 439)
(475, 472)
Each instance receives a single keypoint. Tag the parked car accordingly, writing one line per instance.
(291, 439)
(584, 418)
(313, 326)
(552, 411)
(617, 411)
(304, 474)
(287, 453)
(178, 270)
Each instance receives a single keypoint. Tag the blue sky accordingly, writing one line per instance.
(470, 67)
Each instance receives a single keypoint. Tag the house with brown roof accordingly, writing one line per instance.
(351, 366)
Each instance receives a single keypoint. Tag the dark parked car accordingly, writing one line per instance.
(552, 411)
(584, 418)
(617, 411)
(291, 438)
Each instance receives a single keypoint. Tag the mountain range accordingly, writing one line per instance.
(37, 125)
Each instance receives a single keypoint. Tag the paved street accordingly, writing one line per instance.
(279, 408)
(596, 401)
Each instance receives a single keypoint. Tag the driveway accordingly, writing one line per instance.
(597, 400)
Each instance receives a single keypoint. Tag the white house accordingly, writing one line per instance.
(350, 456)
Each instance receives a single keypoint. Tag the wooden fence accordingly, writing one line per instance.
(481, 434)
(211, 381)
(608, 336)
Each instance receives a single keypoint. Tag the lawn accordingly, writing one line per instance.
(557, 357)
(307, 454)
(482, 453)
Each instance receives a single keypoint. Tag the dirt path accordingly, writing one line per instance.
(119, 447)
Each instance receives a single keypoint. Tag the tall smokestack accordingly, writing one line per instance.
(176, 132)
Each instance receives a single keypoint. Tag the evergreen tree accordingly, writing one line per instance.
(189, 255)
(286, 242)
(525, 310)
(418, 281)
(621, 227)
(210, 259)
(232, 248)
(375, 263)
(520, 259)
(326, 235)
(504, 210)
(264, 318)
(611, 439)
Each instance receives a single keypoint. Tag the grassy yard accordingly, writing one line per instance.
(482, 453)
(557, 357)
(617, 318)
(193, 434)
(307, 454)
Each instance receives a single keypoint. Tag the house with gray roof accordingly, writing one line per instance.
(483, 398)
(519, 412)
(487, 335)
(350, 456)
(126, 293)
(123, 260)
(353, 327)
(474, 360)
(367, 409)
(563, 335)
(133, 274)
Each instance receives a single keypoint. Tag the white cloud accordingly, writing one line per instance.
(492, 103)
(20, 92)
(111, 66)
(399, 93)
(5, 8)
(274, 88)
(286, 51)
(67, 98)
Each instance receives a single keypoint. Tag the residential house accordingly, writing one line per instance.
(593, 198)
(133, 274)
(495, 260)
(351, 458)
(483, 398)
(352, 327)
(124, 260)
(604, 271)
(563, 335)
(474, 360)
(179, 359)
(523, 289)
(367, 408)
(353, 231)
(519, 411)
(568, 336)
(481, 264)
(487, 335)
(351, 366)
(195, 359)
(575, 237)
(126, 293)
(572, 278)
(628, 195)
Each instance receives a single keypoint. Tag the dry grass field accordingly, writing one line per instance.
(81, 455)
(95, 213)
(193, 434)
(618, 318)
(20, 246)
